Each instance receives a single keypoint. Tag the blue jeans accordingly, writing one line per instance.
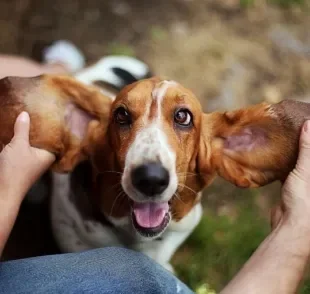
(106, 270)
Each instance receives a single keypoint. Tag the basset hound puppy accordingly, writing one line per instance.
(130, 171)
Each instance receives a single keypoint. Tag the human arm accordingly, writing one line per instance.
(279, 263)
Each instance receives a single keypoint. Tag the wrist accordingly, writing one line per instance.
(297, 224)
(13, 193)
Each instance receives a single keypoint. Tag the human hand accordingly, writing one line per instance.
(20, 164)
(295, 204)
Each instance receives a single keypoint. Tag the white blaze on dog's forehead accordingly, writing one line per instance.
(151, 144)
(160, 91)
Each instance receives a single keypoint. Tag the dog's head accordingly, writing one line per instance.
(153, 133)
(153, 149)
(160, 150)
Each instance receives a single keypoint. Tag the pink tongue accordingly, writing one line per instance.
(150, 215)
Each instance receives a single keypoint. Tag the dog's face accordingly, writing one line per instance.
(155, 125)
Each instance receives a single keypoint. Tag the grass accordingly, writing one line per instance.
(219, 247)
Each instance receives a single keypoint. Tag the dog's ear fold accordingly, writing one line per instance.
(254, 146)
(66, 116)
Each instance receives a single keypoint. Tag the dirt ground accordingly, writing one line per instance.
(229, 55)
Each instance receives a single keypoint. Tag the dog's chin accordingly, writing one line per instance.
(150, 220)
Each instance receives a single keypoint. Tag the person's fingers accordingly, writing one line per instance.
(45, 157)
(22, 127)
(302, 168)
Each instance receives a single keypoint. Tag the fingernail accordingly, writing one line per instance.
(24, 117)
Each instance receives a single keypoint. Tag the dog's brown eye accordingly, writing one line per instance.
(183, 117)
(122, 116)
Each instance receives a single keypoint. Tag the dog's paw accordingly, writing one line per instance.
(64, 52)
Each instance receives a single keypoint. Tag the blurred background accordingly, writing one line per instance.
(231, 53)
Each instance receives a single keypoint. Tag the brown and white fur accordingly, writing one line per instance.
(154, 126)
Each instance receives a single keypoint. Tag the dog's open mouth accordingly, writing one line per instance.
(150, 219)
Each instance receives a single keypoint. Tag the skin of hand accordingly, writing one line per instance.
(279, 263)
(20, 166)
(296, 189)
(23, 67)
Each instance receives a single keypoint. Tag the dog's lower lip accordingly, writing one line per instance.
(151, 232)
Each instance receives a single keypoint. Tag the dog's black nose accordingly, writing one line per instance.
(150, 179)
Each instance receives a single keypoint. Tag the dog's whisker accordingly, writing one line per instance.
(184, 186)
(115, 200)
(111, 171)
(114, 186)
(178, 197)
(124, 200)
(186, 173)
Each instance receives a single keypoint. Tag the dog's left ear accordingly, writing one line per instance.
(67, 117)
(253, 146)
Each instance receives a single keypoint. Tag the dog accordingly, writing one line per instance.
(130, 172)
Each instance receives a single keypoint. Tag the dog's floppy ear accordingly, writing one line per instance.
(254, 146)
(66, 115)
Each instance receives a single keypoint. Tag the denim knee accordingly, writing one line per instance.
(106, 270)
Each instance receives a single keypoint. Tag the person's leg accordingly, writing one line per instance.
(62, 57)
(107, 270)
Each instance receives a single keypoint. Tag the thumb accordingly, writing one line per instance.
(303, 162)
(22, 127)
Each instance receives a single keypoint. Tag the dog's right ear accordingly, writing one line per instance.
(254, 146)
(66, 116)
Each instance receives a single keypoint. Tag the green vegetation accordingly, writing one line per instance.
(121, 49)
(158, 33)
(219, 247)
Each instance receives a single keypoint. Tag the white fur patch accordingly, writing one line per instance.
(71, 231)
(160, 90)
(102, 71)
(66, 53)
(159, 93)
(151, 145)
